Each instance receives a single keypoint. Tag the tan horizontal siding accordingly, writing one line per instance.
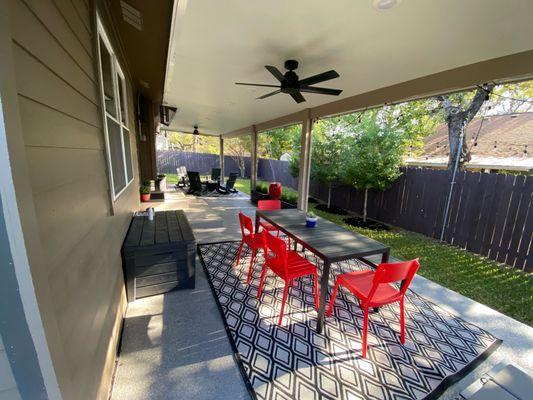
(79, 21)
(81, 240)
(50, 16)
(44, 126)
(36, 81)
(38, 41)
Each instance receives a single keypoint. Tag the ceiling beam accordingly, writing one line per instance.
(517, 66)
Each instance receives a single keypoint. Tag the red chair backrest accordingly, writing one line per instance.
(246, 225)
(268, 205)
(275, 252)
(394, 272)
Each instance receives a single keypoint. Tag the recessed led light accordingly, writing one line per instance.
(385, 4)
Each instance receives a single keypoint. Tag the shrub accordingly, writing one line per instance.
(290, 197)
(262, 187)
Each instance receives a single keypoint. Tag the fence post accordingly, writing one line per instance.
(452, 183)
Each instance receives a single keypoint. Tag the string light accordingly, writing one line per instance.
(488, 93)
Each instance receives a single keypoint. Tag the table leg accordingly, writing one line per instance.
(324, 284)
(256, 223)
(385, 257)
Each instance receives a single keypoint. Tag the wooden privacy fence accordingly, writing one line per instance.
(490, 214)
(169, 160)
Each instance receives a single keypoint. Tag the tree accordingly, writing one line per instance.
(459, 110)
(276, 142)
(194, 143)
(238, 149)
(376, 152)
(328, 153)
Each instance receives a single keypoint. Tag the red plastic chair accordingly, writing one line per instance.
(263, 205)
(375, 289)
(253, 241)
(288, 265)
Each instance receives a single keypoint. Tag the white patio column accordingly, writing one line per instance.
(253, 159)
(221, 161)
(305, 162)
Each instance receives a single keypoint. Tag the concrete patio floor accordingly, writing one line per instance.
(174, 346)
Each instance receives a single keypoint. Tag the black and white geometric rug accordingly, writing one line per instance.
(292, 361)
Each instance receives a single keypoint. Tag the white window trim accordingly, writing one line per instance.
(115, 70)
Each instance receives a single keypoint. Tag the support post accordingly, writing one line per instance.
(253, 159)
(221, 161)
(305, 162)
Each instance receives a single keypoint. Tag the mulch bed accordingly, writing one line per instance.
(368, 224)
(332, 209)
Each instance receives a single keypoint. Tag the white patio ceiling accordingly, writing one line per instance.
(216, 43)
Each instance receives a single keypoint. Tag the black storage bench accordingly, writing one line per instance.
(160, 255)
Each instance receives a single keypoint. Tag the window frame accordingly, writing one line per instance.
(120, 96)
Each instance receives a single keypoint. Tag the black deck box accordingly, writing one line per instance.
(160, 255)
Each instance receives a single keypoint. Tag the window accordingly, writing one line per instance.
(117, 134)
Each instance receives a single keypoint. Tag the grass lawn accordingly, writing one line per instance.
(485, 281)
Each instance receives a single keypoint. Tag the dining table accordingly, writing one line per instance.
(328, 241)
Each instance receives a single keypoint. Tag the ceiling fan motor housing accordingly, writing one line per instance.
(291, 65)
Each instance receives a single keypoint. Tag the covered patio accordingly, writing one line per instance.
(191, 343)
(176, 345)
(100, 298)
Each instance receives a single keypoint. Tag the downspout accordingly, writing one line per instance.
(452, 183)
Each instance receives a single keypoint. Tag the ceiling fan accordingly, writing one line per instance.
(292, 85)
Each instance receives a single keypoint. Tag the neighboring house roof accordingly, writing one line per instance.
(499, 141)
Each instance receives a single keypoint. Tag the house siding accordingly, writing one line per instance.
(79, 228)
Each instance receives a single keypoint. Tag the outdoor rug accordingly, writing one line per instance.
(292, 361)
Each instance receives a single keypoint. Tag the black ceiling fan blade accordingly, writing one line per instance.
(269, 94)
(276, 72)
(324, 76)
(298, 97)
(256, 84)
(319, 90)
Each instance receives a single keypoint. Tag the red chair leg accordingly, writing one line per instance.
(251, 266)
(365, 330)
(332, 298)
(283, 301)
(261, 281)
(239, 254)
(402, 322)
(316, 290)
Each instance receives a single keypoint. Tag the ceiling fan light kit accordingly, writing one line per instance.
(291, 84)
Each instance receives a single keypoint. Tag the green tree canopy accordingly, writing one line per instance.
(375, 156)
(276, 142)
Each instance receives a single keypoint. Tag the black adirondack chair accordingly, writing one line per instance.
(182, 177)
(195, 183)
(215, 174)
(230, 184)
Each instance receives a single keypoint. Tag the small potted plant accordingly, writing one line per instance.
(311, 220)
(145, 193)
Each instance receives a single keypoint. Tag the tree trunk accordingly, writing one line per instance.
(365, 204)
(457, 119)
(329, 195)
